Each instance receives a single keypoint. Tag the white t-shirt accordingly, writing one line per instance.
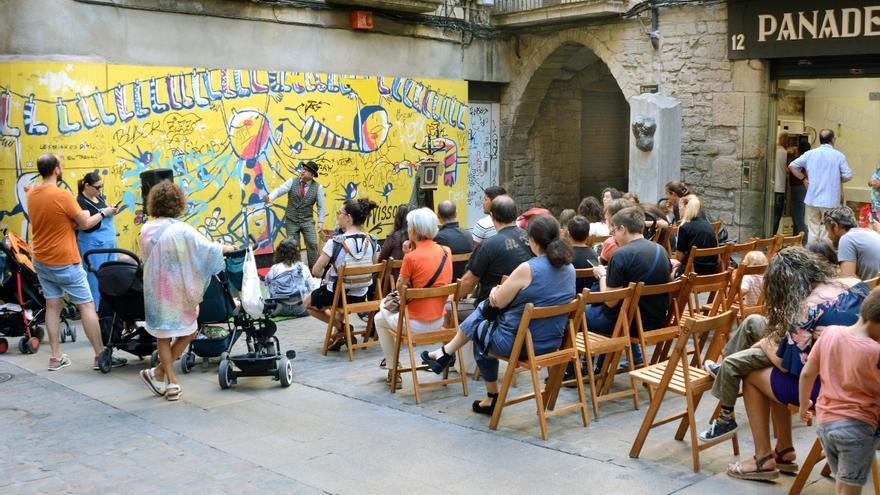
(751, 288)
(599, 228)
(361, 246)
(781, 176)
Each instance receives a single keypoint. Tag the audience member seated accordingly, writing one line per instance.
(609, 246)
(695, 232)
(802, 298)
(637, 260)
(289, 281)
(452, 236)
(565, 217)
(583, 255)
(545, 280)
(609, 194)
(353, 247)
(497, 256)
(425, 264)
(858, 248)
(752, 286)
(484, 228)
(675, 190)
(392, 248)
(825, 250)
(594, 213)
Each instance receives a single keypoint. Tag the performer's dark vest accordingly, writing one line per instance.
(301, 209)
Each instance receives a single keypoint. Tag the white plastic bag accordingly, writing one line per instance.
(251, 291)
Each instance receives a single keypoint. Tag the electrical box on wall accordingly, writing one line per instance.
(791, 126)
(361, 19)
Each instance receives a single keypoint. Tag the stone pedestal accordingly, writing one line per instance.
(654, 145)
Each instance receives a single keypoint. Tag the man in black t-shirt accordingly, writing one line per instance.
(450, 234)
(637, 260)
(498, 255)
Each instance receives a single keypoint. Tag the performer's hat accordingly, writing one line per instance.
(311, 166)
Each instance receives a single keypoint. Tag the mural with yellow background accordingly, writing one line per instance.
(229, 136)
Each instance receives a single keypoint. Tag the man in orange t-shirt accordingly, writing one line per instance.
(54, 215)
(425, 264)
(847, 360)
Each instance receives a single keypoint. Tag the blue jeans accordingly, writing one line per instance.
(599, 322)
(798, 194)
(849, 446)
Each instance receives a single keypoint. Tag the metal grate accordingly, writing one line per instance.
(5, 377)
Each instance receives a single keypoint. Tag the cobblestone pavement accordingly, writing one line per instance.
(336, 429)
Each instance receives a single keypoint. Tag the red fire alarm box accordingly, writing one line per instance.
(361, 19)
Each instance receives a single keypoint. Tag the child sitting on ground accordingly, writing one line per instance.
(752, 285)
(847, 360)
(289, 281)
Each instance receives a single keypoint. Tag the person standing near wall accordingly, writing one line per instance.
(102, 235)
(779, 180)
(798, 193)
(303, 193)
(826, 170)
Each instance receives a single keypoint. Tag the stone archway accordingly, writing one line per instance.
(567, 129)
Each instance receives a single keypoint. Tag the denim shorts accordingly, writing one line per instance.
(69, 279)
(849, 446)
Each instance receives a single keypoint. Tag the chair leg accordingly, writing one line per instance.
(413, 368)
(554, 383)
(329, 334)
(806, 468)
(348, 336)
(539, 401)
(462, 373)
(647, 424)
(582, 396)
(684, 425)
(632, 380)
(875, 475)
(695, 446)
(395, 362)
(502, 396)
(594, 396)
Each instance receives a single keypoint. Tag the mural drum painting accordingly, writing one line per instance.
(229, 136)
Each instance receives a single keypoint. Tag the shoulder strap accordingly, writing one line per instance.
(337, 248)
(656, 259)
(439, 270)
(158, 236)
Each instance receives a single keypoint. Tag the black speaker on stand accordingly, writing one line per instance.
(150, 178)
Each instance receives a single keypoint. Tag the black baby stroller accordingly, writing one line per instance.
(216, 333)
(23, 312)
(263, 357)
(121, 313)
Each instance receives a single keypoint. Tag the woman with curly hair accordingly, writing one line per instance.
(178, 265)
(802, 296)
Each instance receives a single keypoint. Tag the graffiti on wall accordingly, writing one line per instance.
(483, 155)
(230, 136)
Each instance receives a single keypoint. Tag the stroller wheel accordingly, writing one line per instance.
(225, 374)
(33, 344)
(154, 359)
(22, 345)
(72, 332)
(224, 355)
(4, 345)
(105, 360)
(39, 331)
(285, 372)
(187, 361)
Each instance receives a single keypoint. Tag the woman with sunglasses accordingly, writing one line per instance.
(103, 234)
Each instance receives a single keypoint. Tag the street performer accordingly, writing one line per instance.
(302, 194)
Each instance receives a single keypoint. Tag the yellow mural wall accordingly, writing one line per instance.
(229, 136)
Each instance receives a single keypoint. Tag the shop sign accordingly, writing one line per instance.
(813, 28)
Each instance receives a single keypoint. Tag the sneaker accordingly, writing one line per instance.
(711, 367)
(56, 364)
(719, 430)
(115, 363)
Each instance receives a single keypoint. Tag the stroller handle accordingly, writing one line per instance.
(236, 253)
(93, 252)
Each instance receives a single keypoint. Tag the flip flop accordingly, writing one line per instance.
(759, 474)
(148, 377)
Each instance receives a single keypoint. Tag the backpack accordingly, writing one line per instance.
(353, 259)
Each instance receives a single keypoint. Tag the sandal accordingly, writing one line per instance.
(440, 364)
(785, 467)
(487, 410)
(739, 471)
(399, 383)
(173, 392)
(149, 378)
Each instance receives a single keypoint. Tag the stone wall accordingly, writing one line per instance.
(724, 103)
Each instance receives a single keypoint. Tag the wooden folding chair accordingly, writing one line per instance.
(677, 376)
(596, 239)
(666, 240)
(711, 287)
(735, 295)
(341, 308)
(592, 345)
(414, 339)
(460, 258)
(739, 250)
(872, 283)
(660, 338)
(768, 245)
(720, 252)
(556, 361)
(816, 454)
(390, 283)
(784, 242)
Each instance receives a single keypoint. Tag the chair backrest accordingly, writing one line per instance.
(531, 313)
(714, 285)
(666, 242)
(390, 266)
(457, 258)
(583, 273)
(459, 264)
(767, 245)
(444, 291)
(722, 253)
(623, 298)
(596, 239)
(872, 283)
(795, 240)
(716, 226)
(704, 346)
(673, 290)
(742, 249)
(360, 273)
(735, 294)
